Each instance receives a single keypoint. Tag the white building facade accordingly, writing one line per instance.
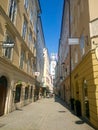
(47, 80)
(53, 62)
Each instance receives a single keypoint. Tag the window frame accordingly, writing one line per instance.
(22, 59)
(28, 65)
(12, 12)
(26, 4)
(24, 28)
(8, 39)
(18, 93)
(26, 92)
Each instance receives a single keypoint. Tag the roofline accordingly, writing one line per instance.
(61, 24)
(39, 6)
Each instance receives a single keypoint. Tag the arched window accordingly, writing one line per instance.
(85, 90)
(85, 99)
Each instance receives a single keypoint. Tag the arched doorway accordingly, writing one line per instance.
(3, 90)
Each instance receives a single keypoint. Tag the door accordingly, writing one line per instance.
(3, 89)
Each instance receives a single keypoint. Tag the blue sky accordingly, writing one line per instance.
(51, 21)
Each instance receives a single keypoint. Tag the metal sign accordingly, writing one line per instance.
(8, 45)
(73, 41)
(37, 73)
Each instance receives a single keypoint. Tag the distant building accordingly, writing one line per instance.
(47, 80)
(53, 62)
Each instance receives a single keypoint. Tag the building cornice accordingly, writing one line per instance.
(5, 61)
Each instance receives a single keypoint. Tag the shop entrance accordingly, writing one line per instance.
(3, 90)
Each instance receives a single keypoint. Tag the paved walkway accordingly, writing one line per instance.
(45, 114)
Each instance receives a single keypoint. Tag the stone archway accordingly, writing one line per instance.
(3, 90)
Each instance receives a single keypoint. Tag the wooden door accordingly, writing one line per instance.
(3, 89)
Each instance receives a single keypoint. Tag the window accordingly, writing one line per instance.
(86, 101)
(24, 30)
(35, 16)
(26, 92)
(17, 93)
(85, 90)
(22, 58)
(7, 47)
(30, 38)
(76, 57)
(68, 71)
(31, 92)
(28, 66)
(12, 10)
(31, 15)
(26, 4)
(33, 68)
(82, 45)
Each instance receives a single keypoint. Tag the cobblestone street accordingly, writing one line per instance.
(45, 114)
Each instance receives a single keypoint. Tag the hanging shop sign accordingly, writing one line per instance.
(73, 41)
(8, 45)
(37, 73)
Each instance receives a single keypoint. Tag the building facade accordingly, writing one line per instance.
(18, 21)
(63, 65)
(79, 83)
(40, 57)
(53, 61)
(47, 80)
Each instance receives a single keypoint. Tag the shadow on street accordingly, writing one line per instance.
(81, 119)
(59, 100)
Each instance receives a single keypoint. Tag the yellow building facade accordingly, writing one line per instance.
(82, 91)
(84, 72)
(17, 53)
(84, 88)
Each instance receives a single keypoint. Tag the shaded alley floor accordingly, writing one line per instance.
(45, 114)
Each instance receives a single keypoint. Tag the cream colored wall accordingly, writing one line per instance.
(14, 75)
(79, 26)
(93, 9)
(10, 69)
(17, 32)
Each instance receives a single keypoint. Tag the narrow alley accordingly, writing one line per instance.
(45, 114)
